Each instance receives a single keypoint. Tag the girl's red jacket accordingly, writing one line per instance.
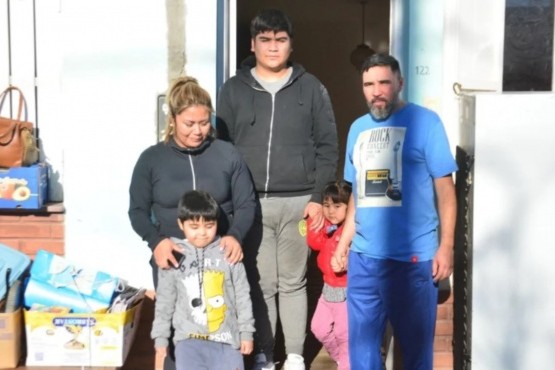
(326, 244)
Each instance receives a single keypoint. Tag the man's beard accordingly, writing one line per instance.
(382, 113)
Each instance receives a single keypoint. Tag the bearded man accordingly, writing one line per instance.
(398, 236)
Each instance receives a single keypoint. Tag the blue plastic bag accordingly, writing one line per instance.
(55, 282)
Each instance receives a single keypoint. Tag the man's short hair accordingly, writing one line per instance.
(272, 20)
(385, 60)
(197, 204)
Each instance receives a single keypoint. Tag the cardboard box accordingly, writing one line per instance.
(24, 187)
(11, 325)
(80, 339)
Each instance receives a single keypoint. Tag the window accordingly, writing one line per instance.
(528, 45)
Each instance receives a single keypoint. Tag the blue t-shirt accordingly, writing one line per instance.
(391, 165)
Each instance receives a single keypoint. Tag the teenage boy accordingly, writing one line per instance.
(281, 119)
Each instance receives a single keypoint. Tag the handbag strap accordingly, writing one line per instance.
(22, 107)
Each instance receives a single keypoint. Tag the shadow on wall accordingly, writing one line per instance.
(513, 292)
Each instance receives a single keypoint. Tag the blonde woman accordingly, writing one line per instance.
(189, 158)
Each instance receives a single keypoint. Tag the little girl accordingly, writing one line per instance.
(329, 323)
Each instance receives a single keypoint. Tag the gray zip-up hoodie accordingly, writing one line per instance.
(205, 298)
(289, 140)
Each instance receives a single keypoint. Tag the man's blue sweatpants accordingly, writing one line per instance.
(403, 293)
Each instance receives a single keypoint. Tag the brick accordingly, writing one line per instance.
(444, 327)
(445, 311)
(442, 312)
(45, 218)
(11, 242)
(57, 231)
(6, 219)
(451, 312)
(31, 232)
(443, 360)
(25, 230)
(30, 247)
(443, 343)
(5, 226)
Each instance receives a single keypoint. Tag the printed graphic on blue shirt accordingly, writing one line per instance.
(377, 157)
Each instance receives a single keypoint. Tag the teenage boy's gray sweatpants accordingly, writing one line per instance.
(277, 272)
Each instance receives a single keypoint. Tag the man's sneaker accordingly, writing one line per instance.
(294, 362)
(260, 363)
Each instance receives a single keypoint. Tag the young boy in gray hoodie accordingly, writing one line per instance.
(205, 299)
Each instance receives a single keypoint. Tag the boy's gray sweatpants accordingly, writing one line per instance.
(277, 272)
(196, 354)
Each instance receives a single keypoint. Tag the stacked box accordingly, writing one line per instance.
(68, 339)
(24, 187)
(10, 338)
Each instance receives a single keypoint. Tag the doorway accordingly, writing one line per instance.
(326, 33)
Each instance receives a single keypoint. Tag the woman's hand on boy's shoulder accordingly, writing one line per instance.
(232, 249)
(163, 255)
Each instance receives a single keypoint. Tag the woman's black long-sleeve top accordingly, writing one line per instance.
(165, 171)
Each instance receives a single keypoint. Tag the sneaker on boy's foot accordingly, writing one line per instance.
(294, 362)
(260, 363)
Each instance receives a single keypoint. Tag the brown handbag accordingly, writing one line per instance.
(18, 145)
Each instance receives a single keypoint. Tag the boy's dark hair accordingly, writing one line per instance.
(381, 60)
(197, 204)
(338, 191)
(273, 20)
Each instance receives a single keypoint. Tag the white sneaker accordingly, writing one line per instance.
(294, 362)
(260, 363)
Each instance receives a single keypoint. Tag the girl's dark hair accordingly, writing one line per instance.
(197, 204)
(273, 20)
(338, 191)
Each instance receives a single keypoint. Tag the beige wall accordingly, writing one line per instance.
(326, 31)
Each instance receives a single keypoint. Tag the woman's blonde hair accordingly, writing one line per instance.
(184, 92)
